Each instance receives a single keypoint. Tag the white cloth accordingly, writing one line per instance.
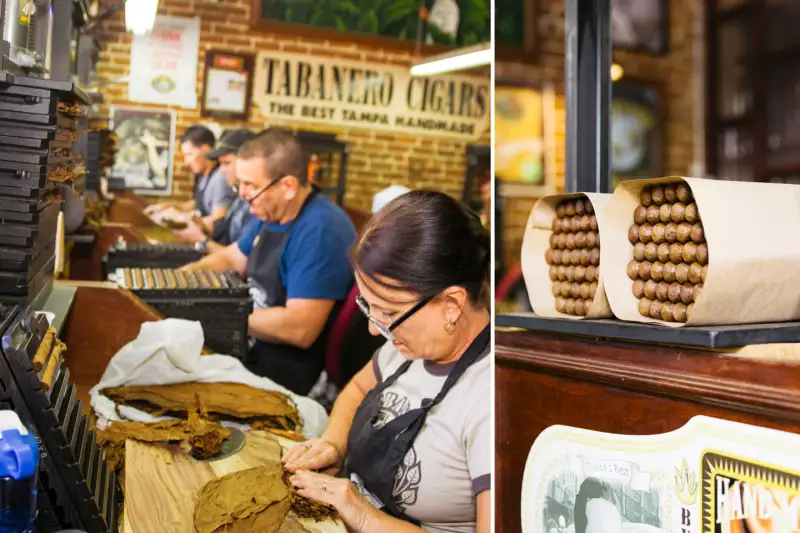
(168, 352)
(382, 198)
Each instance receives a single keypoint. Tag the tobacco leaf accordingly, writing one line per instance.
(250, 500)
(259, 408)
(204, 438)
(305, 508)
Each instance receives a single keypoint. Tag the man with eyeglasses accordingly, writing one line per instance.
(228, 229)
(295, 256)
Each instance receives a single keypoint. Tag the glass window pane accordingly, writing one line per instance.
(734, 93)
(735, 155)
(783, 115)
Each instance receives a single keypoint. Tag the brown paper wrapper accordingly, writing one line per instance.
(753, 251)
(535, 243)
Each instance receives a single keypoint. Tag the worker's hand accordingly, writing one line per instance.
(314, 454)
(352, 506)
(156, 208)
(192, 234)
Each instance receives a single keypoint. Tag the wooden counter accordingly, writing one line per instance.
(546, 379)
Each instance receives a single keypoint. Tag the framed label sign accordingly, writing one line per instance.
(227, 85)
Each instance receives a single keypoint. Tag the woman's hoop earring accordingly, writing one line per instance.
(449, 327)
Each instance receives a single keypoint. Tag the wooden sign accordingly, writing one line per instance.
(374, 96)
(227, 85)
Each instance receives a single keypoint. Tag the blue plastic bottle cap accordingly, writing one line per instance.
(19, 450)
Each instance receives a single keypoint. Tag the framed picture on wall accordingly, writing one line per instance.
(636, 132)
(640, 25)
(146, 149)
(227, 85)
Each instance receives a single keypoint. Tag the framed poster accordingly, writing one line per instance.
(640, 25)
(146, 149)
(636, 132)
(227, 85)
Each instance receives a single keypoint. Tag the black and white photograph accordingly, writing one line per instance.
(146, 149)
(640, 25)
(636, 131)
(577, 504)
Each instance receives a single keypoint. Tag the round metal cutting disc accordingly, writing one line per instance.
(230, 446)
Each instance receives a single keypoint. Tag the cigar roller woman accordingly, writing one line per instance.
(409, 436)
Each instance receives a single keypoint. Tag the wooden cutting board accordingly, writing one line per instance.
(161, 484)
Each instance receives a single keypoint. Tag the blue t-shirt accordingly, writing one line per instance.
(315, 260)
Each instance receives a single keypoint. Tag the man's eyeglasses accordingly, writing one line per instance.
(264, 189)
(386, 330)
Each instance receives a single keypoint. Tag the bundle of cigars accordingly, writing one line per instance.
(561, 256)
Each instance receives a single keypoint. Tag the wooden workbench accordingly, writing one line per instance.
(626, 388)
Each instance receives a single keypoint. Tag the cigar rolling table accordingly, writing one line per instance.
(161, 484)
(634, 379)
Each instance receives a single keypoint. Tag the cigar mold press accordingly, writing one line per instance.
(220, 302)
(38, 125)
(125, 255)
(77, 487)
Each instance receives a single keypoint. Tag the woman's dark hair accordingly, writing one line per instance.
(424, 242)
(199, 136)
(591, 488)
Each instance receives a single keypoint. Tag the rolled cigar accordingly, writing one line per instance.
(640, 251)
(556, 261)
(138, 281)
(52, 364)
(688, 312)
(215, 281)
(650, 251)
(595, 256)
(684, 232)
(640, 215)
(128, 278)
(161, 282)
(554, 240)
(671, 232)
(580, 274)
(633, 234)
(659, 233)
(566, 289)
(151, 280)
(691, 215)
(650, 289)
(570, 273)
(695, 273)
(580, 240)
(682, 273)
(678, 213)
(667, 311)
(586, 223)
(575, 289)
(702, 254)
(664, 213)
(645, 233)
(644, 307)
(579, 207)
(669, 272)
(676, 253)
(579, 308)
(657, 193)
(657, 271)
(698, 235)
(689, 252)
(591, 273)
(561, 239)
(561, 304)
(561, 210)
(562, 275)
(592, 289)
(674, 292)
(655, 310)
(43, 350)
(548, 256)
(652, 215)
(644, 270)
(553, 273)
(570, 306)
(593, 225)
(662, 252)
(681, 312)
(556, 225)
(584, 256)
(172, 283)
(589, 207)
(638, 288)
(569, 241)
(592, 239)
(586, 290)
(566, 258)
(575, 225)
(687, 293)
(671, 193)
(633, 269)
(645, 198)
(556, 288)
(570, 209)
(684, 193)
(662, 291)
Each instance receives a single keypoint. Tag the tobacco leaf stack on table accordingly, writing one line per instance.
(670, 253)
(574, 256)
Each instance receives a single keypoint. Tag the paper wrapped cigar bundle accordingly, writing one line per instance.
(536, 242)
(753, 250)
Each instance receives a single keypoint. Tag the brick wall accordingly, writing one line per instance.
(377, 160)
(671, 75)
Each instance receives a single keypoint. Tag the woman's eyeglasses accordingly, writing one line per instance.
(386, 330)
